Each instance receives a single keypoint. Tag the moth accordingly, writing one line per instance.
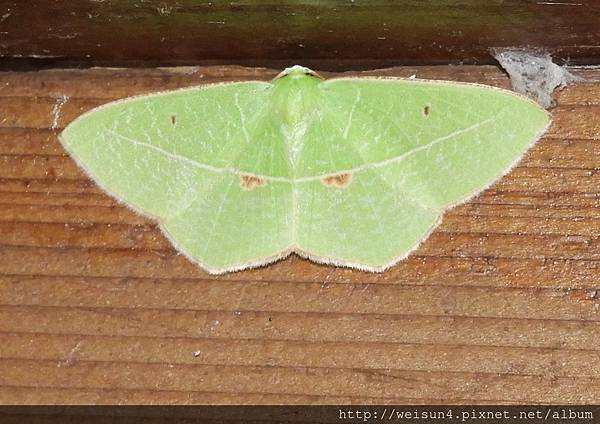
(352, 172)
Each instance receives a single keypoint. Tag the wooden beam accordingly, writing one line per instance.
(329, 34)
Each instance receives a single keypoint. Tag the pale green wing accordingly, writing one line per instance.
(379, 162)
(232, 228)
(447, 140)
(367, 224)
(412, 149)
(182, 157)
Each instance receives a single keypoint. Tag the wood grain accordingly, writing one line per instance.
(501, 304)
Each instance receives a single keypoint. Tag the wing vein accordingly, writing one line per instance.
(312, 177)
(351, 114)
(404, 155)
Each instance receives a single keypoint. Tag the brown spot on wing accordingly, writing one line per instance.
(250, 182)
(426, 110)
(338, 181)
(173, 119)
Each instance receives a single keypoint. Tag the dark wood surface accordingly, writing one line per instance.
(332, 34)
(501, 304)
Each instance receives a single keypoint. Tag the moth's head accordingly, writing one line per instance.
(297, 71)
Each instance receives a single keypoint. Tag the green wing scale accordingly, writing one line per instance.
(350, 171)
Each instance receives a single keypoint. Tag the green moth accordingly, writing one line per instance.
(353, 172)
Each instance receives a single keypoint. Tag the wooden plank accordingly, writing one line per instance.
(500, 304)
(443, 332)
(332, 33)
(301, 380)
(288, 354)
(49, 395)
(236, 296)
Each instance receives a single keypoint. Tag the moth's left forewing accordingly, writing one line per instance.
(439, 141)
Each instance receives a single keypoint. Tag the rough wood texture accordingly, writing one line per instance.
(324, 33)
(501, 304)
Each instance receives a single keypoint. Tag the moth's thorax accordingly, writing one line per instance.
(295, 97)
